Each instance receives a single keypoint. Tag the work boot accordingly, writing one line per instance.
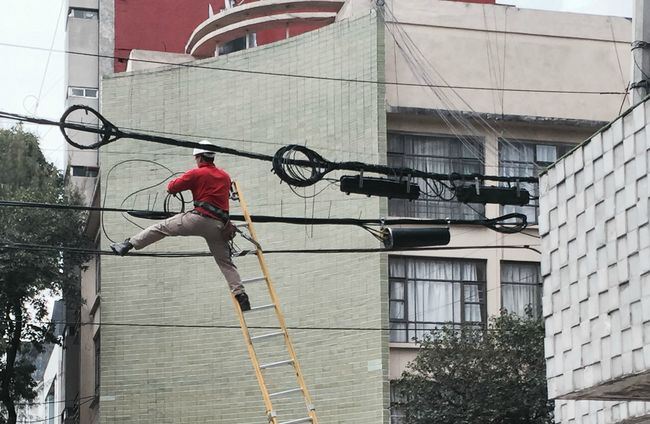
(121, 248)
(244, 304)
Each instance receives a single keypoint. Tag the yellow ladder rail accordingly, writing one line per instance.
(293, 359)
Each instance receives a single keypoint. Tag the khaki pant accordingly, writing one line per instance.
(190, 224)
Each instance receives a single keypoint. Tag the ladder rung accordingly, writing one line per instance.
(259, 308)
(253, 280)
(276, 364)
(285, 392)
(299, 420)
(265, 336)
(245, 224)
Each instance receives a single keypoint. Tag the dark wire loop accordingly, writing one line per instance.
(107, 131)
(292, 170)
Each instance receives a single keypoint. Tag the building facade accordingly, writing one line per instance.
(457, 98)
(594, 228)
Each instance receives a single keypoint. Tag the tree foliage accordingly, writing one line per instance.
(475, 375)
(29, 277)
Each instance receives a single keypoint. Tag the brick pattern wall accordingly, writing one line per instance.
(596, 245)
(191, 374)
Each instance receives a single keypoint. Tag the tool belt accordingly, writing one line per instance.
(219, 213)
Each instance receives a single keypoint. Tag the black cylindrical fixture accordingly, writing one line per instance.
(415, 237)
(379, 187)
(491, 194)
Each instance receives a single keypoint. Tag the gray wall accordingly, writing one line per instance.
(173, 375)
(596, 267)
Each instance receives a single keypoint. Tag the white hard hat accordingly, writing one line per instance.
(207, 153)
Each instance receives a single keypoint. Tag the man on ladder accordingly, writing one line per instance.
(210, 187)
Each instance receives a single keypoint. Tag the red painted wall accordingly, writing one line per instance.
(166, 25)
(159, 25)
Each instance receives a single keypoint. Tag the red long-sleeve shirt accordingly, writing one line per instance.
(207, 184)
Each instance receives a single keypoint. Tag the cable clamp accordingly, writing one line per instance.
(644, 83)
(476, 184)
(361, 179)
(518, 188)
(640, 44)
(408, 183)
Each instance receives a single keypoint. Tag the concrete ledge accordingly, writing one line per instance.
(628, 388)
(526, 119)
(258, 9)
(206, 46)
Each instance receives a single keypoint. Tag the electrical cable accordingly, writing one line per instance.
(5, 244)
(311, 77)
(316, 163)
(231, 327)
(279, 219)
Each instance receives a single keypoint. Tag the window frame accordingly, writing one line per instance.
(85, 91)
(84, 171)
(72, 13)
(481, 290)
(539, 285)
(455, 207)
(97, 363)
(538, 166)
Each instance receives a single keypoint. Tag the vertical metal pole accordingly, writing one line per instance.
(641, 51)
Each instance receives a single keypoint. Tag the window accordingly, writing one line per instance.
(89, 93)
(81, 13)
(441, 154)
(396, 412)
(98, 266)
(84, 171)
(427, 293)
(97, 340)
(527, 160)
(50, 405)
(242, 43)
(521, 287)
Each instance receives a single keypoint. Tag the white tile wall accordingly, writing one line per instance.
(596, 269)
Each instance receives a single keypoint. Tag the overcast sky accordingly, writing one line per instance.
(31, 81)
(599, 7)
(26, 73)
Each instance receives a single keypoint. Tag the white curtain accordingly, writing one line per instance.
(434, 154)
(433, 290)
(520, 287)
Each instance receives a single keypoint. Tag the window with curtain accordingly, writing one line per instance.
(428, 293)
(521, 287)
(439, 154)
(528, 159)
(396, 412)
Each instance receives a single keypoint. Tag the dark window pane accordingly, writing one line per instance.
(436, 154)
(527, 159)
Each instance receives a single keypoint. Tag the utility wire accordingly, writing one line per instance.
(318, 165)
(313, 77)
(6, 244)
(261, 218)
(232, 327)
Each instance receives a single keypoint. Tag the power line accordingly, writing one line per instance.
(317, 77)
(228, 327)
(264, 218)
(282, 160)
(6, 244)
